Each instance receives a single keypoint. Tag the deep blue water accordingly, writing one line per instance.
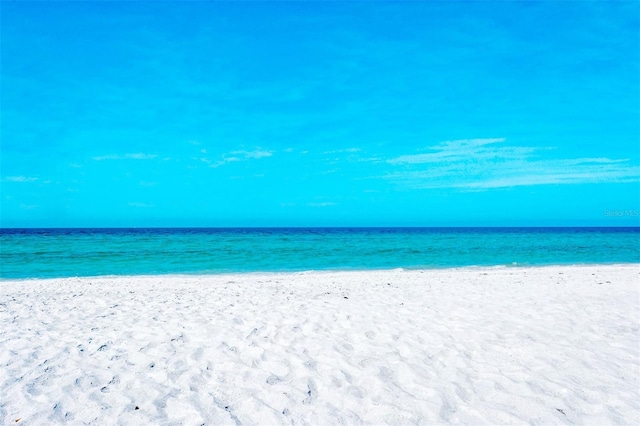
(40, 253)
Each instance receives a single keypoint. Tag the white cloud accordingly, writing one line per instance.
(340, 151)
(140, 205)
(487, 163)
(255, 154)
(106, 157)
(322, 204)
(236, 156)
(21, 179)
(222, 162)
(370, 160)
(460, 149)
(140, 156)
(133, 156)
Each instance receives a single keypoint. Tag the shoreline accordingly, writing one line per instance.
(550, 345)
(331, 271)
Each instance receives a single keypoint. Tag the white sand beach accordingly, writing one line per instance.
(545, 345)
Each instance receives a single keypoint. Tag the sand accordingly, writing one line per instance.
(548, 345)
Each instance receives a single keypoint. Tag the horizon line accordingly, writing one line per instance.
(2, 228)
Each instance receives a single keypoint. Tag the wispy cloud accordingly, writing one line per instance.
(141, 156)
(141, 205)
(133, 156)
(322, 204)
(235, 156)
(21, 179)
(255, 154)
(345, 150)
(328, 172)
(221, 162)
(460, 150)
(488, 163)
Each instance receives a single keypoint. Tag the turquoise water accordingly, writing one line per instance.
(43, 253)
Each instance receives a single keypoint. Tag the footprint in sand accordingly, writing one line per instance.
(273, 379)
(355, 391)
(310, 364)
(197, 354)
(385, 374)
(312, 392)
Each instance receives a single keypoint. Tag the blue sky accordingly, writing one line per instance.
(320, 113)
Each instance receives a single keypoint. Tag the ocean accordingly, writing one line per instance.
(48, 253)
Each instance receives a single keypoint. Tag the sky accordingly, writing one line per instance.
(309, 113)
